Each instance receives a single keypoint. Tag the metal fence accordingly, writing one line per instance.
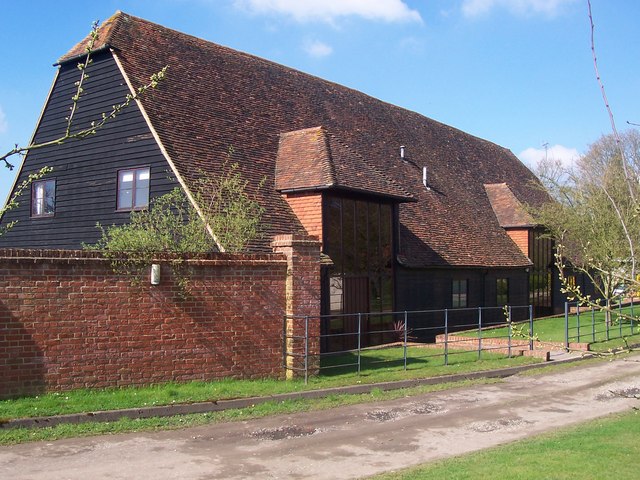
(590, 324)
(353, 341)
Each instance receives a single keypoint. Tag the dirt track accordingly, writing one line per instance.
(347, 442)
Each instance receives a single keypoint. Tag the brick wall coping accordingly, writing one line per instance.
(291, 240)
(15, 255)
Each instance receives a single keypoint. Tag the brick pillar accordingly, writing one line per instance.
(302, 299)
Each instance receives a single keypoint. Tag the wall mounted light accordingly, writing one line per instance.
(155, 274)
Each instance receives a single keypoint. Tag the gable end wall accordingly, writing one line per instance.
(86, 170)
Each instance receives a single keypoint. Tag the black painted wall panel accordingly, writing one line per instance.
(430, 289)
(86, 170)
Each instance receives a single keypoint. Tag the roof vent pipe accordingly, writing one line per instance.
(424, 178)
(402, 152)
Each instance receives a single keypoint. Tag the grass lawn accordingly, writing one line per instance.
(379, 365)
(604, 448)
(375, 361)
(581, 329)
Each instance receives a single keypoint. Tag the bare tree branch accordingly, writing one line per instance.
(606, 100)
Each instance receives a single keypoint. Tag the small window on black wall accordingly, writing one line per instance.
(43, 198)
(133, 189)
(502, 291)
(459, 293)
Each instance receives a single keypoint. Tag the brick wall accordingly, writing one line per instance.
(66, 321)
(520, 236)
(308, 209)
(302, 299)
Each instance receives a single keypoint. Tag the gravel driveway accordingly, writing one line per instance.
(347, 442)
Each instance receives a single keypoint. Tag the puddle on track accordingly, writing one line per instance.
(495, 425)
(282, 433)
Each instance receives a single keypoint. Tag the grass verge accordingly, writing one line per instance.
(22, 435)
(382, 365)
(603, 448)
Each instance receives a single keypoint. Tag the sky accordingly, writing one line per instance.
(519, 73)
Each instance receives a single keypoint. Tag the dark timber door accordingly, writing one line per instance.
(356, 300)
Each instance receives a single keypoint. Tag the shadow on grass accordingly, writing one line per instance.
(392, 358)
(342, 363)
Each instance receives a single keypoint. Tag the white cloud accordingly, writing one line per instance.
(532, 156)
(330, 10)
(317, 49)
(4, 126)
(550, 8)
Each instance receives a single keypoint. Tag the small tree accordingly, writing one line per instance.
(231, 214)
(227, 219)
(171, 225)
(594, 219)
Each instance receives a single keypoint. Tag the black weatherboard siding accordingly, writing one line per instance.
(86, 170)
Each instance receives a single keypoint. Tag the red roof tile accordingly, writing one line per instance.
(311, 159)
(303, 161)
(215, 98)
(508, 209)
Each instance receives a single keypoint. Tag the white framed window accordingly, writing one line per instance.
(133, 188)
(43, 198)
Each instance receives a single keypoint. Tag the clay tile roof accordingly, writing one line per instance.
(215, 98)
(312, 159)
(508, 209)
(304, 161)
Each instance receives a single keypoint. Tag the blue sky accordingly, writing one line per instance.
(516, 72)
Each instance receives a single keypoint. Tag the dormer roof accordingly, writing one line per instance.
(312, 160)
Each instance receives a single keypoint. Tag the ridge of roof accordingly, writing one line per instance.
(102, 41)
(120, 19)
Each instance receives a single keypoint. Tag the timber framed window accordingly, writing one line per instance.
(43, 198)
(502, 291)
(541, 274)
(459, 293)
(358, 237)
(133, 189)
